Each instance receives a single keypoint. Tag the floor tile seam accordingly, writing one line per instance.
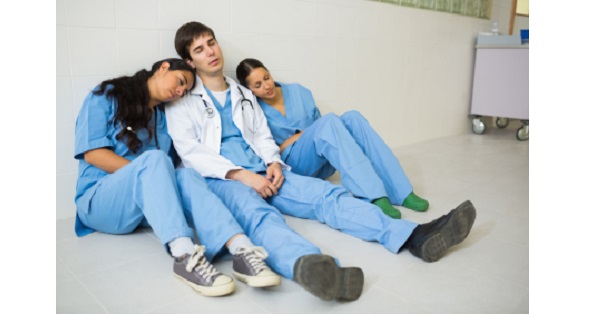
(505, 241)
(499, 279)
(481, 274)
(69, 270)
(508, 214)
(59, 226)
(248, 299)
(152, 235)
(88, 291)
(473, 185)
(166, 305)
(117, 265)
(74, 275)
(396, 297)
(506, 282)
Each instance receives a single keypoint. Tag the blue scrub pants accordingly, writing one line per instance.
(309, 198)
(367, 166)
(150, 190)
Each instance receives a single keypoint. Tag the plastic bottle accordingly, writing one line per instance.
(495, 30)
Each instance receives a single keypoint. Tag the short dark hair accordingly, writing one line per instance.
(245, 67)
(186, 34)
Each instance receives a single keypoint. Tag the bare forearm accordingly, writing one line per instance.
(105, 159)
(236, 174)
(289, 141)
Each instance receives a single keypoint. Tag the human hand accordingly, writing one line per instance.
(275, 175)
(264, 187)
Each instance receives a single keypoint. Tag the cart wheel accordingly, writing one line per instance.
(478, 126)
(502, 122)
(523, 132)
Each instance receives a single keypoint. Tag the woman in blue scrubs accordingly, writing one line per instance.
(127, 179)
(318, 146)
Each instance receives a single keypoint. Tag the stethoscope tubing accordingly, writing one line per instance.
(210, 112)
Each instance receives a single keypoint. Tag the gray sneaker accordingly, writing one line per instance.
(249, 267)
(197, 272)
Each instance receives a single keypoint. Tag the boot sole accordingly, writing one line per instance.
(321, 276)
(452, 233)
(257, 281)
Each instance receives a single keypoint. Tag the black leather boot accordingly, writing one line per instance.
(321, 276)
(431, 241)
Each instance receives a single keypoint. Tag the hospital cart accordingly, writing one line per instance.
(501, 84)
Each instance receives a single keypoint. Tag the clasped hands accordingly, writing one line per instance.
(266, 186)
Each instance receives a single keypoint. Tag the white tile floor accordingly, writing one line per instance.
(487, 273)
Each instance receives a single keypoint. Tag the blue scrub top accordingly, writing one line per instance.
(300, 113)
(95, 129)
(233, 145)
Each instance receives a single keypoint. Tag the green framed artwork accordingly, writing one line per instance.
(473, 8)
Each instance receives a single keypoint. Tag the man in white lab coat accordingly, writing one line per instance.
(220, 130)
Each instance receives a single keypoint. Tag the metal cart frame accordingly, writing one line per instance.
(501, 87)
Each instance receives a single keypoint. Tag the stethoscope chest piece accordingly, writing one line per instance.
(210, 112)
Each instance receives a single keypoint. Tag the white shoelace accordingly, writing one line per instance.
(199, 264)
(256, 255)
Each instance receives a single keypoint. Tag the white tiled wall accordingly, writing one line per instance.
(407, 70)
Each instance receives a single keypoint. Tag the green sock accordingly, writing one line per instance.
(414, 202)
(387, 208)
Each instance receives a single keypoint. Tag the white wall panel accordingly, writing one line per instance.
(173, 13)
(137, 14)
(303, 17)
(64, 102)
(93, 51)
(91, 13)
(137, 49)
(214, 13)
(63, 67)
(404, 68)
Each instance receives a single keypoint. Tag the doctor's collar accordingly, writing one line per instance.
(199, 88)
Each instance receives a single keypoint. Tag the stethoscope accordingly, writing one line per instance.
(210, 112)
(245, 103)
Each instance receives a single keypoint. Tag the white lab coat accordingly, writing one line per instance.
(197, 138)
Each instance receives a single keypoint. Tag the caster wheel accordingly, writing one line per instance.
(523, 133)
(478, 126)
(502, 122)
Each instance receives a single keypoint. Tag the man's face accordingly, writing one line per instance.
(206, 55)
